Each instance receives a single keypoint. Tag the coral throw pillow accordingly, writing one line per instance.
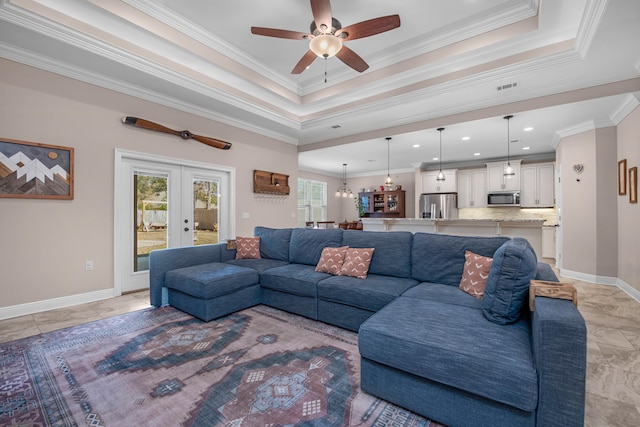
(476, 272)
(356, 262)
(247, 247)
(331, 260)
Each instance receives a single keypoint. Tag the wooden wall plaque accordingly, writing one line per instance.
(270, 183)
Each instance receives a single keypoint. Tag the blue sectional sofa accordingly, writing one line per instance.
(424, 344)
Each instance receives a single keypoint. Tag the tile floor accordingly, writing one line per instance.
(613, 344)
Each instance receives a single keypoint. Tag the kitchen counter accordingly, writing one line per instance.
(530, 229)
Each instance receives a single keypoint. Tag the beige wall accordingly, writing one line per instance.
(45, 242)
(628, 215)
(593, 236)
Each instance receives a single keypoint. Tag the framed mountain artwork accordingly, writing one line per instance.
(35, 171)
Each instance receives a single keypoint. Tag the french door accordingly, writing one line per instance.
(163, 203)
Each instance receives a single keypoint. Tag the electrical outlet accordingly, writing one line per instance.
(88, 265)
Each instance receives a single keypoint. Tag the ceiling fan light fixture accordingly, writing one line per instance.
(325, 45)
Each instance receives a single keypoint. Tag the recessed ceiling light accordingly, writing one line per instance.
(435, 158)
(528, 129)
(526, 148)
(416, 145)
(476, 154)
(466, 138)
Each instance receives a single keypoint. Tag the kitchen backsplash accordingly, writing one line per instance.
(548, 215)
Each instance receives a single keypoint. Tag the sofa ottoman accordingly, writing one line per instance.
(212, 290)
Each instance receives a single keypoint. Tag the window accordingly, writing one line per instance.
(312, 201)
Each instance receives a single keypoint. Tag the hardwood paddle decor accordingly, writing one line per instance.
(184, 134)
(327, 36)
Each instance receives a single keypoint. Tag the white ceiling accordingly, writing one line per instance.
(575, 63)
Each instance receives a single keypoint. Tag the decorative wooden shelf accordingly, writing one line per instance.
(270, 183)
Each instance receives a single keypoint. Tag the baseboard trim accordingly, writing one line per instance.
(52, 304)
(604, 280)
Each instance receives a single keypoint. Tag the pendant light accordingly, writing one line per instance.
(388, 183)
(440, 176)
(344, 192)
(508, 170)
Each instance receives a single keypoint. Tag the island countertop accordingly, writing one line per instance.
(530, 229)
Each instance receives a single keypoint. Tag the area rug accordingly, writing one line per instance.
(162, 367)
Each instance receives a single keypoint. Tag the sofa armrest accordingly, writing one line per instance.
(559, 338)
(163, 260)
(545, 272)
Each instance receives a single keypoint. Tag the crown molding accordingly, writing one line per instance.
(179, 23)
(630, 103)
(593, 13)
(80, 74)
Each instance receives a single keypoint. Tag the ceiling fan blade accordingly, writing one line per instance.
(352, 59)
(304, 63)
(281, 34)
(321, 10)
(184, 134)
(370, 27)
(212, 142)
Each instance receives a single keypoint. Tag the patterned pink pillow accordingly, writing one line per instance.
(476, 272)
(331, 260)
(356, 262)
(248, 247)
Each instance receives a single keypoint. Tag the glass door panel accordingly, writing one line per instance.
(150, 217)
(206, 218)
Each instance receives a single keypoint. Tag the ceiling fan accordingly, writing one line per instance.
(327, 36)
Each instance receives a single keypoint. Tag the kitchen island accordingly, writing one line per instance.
(530, 229)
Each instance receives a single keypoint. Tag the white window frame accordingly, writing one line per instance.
(307, 206)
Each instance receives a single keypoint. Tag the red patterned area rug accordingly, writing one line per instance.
(161, 367)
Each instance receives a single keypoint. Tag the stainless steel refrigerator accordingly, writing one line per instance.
(439, 205)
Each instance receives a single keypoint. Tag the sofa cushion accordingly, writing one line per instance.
(443, 293)
(260, 264)
(247, 247)
(331, 260)
(439, 258)
(392, 255)
(295, 279)
(475, 274)
(514, 265)
(211, 280)
(307, 244)
(372, 293)
(274, 242)
(356, 262)
(454, 345)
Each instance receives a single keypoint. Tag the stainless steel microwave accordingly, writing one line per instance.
(505, 198)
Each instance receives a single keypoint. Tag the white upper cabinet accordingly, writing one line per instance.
(496, 181)
(431, 185)
(472, 191)
(537, 185)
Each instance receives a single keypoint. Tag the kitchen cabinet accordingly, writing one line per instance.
(431, 185)
(496, 181)
(537, 185)
(472, 186)
(382, 204)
